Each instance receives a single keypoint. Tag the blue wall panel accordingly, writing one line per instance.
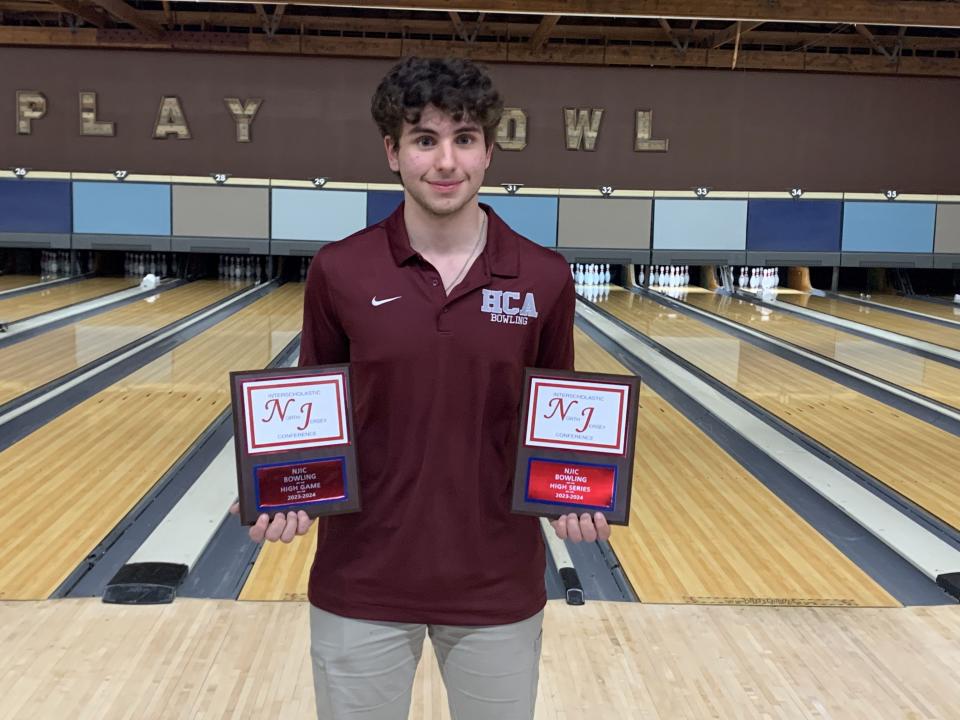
(116, 208)
(532, 216)
(794, 225)
(699, 224)
(888, 226)
(323, 215)
(380, 203)
(35, 206)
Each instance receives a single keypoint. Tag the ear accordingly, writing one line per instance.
(391, 149)
(489, 154)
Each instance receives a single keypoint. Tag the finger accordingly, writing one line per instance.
(235, 508)
(303, 523)
(560, 527)
(603, 527)
(290, 529)
(259, 528)
(587, 529)
(276, 527)
(573, 528)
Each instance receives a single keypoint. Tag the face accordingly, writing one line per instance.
(441, 162)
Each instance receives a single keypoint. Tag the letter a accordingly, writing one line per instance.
(529, 308)
(171, 120)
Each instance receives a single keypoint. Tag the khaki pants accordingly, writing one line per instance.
(364, 669)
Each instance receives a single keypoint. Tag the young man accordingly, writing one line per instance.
(437, 309)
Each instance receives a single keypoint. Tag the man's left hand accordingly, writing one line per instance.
(575, 529)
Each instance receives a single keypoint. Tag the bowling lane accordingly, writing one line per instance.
(907, 454)
(879, 318)
(31, 363)
(701, 530)
(921, 375)
(41, 301)
(67, 485)
(939, 310)
(12, 282)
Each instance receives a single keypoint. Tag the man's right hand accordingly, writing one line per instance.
(284, 526)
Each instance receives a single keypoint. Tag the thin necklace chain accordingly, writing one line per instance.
(453, 283)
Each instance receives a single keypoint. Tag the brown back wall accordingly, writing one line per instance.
(729, 130)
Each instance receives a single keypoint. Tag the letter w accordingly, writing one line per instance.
(582, 127)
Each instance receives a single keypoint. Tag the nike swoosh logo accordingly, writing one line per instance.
(378, 303)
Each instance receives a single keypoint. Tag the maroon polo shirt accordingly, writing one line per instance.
(436, 392)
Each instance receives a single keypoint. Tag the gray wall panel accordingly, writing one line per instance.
(946, 239)
(213, 211)
(604, 222)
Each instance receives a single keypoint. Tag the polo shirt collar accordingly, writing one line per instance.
(500, 250)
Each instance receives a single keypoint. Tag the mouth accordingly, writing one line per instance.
(445, 186)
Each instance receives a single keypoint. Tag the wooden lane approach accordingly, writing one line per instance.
(879, 318)
(909, 455)
(924, 307)
(220, 659)
(43, 301)
(85, 470)
(13, 282)
(924, 376)
(34, 362)
(702, 529)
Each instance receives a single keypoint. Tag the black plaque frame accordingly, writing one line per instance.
(619, 514)
(248, 463)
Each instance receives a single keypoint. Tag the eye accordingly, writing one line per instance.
(465, 139)
(424, 141)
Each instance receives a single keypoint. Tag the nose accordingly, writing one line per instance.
(445, 159)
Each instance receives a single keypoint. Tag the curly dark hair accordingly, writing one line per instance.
(460, 88)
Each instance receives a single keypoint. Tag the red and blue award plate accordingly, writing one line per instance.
(576, 446)
(293, 433)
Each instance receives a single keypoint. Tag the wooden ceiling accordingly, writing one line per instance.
(893, 37)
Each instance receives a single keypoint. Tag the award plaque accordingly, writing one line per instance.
(576, 446)
(293, 433)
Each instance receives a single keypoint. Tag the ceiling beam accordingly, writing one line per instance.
(865, 32)
(458, 25)
(703, 38)
(91, 15)
(542, 33)
(619, 55)
(669, 32)
(733, 32)
(119, 9)
(920, 13)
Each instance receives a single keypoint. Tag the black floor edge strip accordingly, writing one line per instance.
(902, 312)
(41, 390)
(108, 559)
(892, 572)
(941, 529)
(791, 352)
(8, 341)
(20, 427)
(787, 307)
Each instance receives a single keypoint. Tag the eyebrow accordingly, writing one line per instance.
(420, 130)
